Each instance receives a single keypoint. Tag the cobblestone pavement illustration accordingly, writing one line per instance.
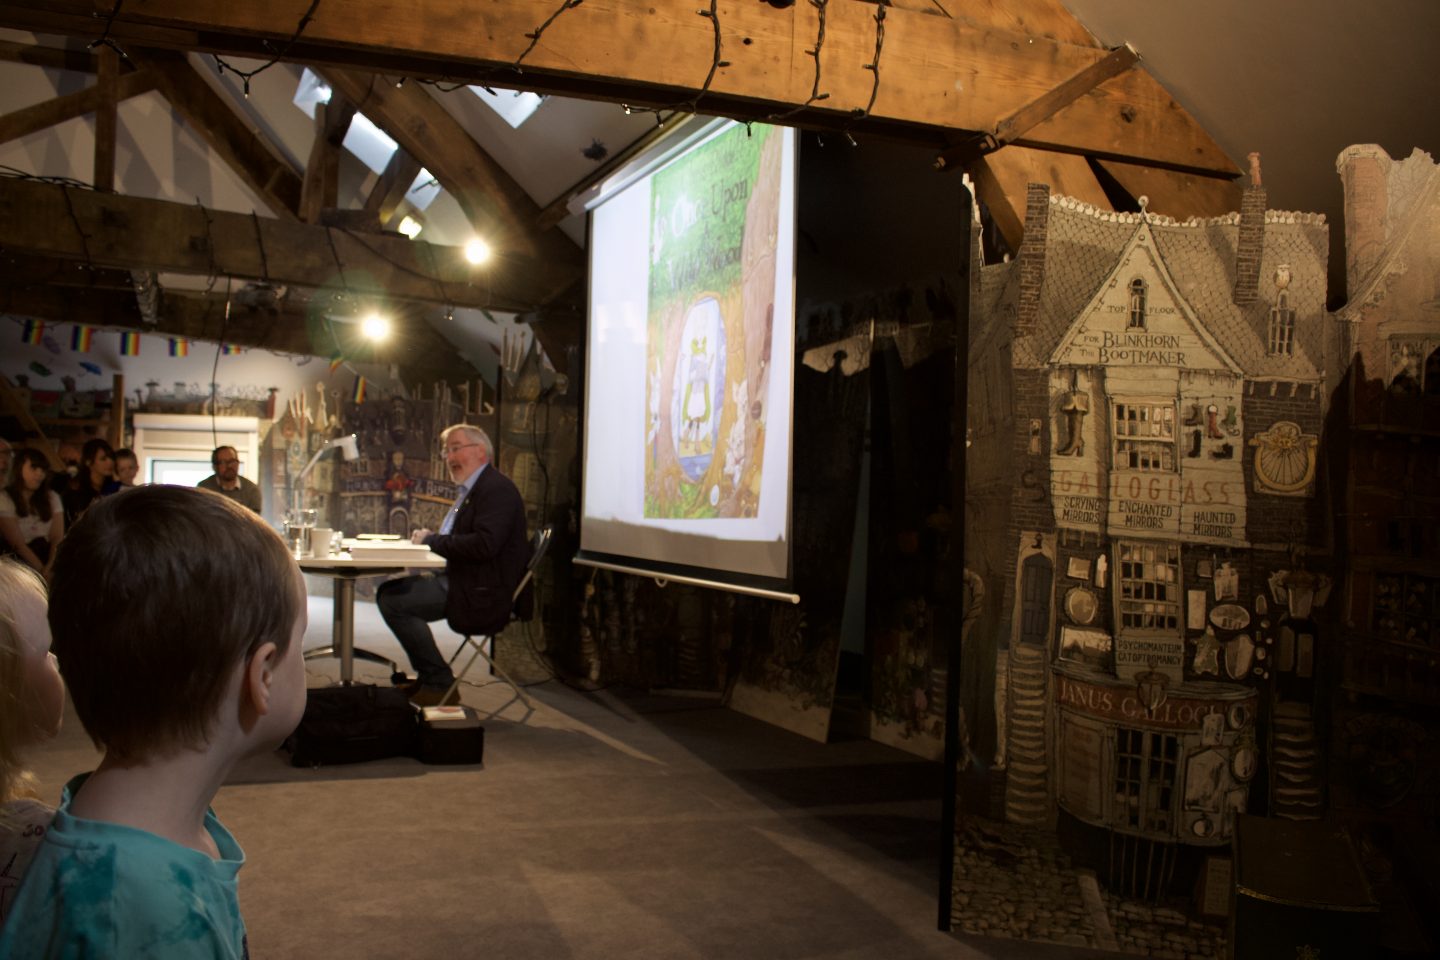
(1016, 882)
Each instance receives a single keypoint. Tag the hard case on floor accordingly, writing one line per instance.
(450, 735)
(352, 725)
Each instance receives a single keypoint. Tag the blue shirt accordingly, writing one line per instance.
(99, 889)
(466, 486)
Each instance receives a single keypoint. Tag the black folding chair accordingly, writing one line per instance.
(476, 642)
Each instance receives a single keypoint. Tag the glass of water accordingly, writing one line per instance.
(298, 524)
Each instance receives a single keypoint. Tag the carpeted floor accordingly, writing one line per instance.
(614, 824)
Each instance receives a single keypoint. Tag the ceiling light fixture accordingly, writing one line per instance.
(477, 251)
(410, 227)
(375, 327)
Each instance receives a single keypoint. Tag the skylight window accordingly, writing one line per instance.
(423, 189)
(514, 106)
(364, 139)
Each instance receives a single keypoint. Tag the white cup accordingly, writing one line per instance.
(320, 541)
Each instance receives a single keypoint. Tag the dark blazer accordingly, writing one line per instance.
(486, 553)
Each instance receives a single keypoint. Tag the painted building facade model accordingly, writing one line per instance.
(1146, 400)
(1386, 425)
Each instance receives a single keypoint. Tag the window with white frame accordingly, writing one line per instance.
(1137, 304)
(1149, 584)
(1282, 327)
(1144, 433)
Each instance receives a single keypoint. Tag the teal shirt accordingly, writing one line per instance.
(98, 889)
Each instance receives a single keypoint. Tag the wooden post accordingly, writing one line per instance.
(105, 119)
(115, 434)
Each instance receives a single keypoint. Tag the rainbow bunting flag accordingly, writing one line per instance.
(129, 344)
(359, 395)
(179, 347)
(231, 349)
(80, 338)
(335, 360)
(34, 333)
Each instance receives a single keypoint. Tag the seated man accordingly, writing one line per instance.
(226, 479)
(485, 548)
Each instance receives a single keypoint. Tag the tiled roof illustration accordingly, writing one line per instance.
(1084, 245)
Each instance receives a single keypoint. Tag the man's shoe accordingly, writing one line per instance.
(408, 687)
(434, 697)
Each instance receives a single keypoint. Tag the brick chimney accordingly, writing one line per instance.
(1031, 258)
(1364, 170)
(1251, 243)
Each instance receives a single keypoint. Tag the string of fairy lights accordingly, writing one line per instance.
(663, 114)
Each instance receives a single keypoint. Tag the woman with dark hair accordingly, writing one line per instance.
(97, 468)
(31, 517)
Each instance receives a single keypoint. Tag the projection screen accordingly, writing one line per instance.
(689, 362)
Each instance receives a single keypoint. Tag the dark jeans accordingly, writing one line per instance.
(409, 605)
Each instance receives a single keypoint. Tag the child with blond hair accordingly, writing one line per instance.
(32, 700)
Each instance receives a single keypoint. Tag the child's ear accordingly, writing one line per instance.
(260, 675)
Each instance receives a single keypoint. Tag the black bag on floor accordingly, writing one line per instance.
(353, 724)
(450, 735)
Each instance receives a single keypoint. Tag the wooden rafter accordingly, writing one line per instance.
(52, 58)
(1014, 127)
(496, 206)
(106, 118)
(1001, 179)
(248, 154)
(322, 171)
(135, 233)
(1176, 194)
(41, 116)
(389, 190)
(54, 291)
(937, 73)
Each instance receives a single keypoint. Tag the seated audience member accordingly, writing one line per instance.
(188, 679)
(126, 467)
(32, 701)
(227, 480)
(31, 518)
(97, 468)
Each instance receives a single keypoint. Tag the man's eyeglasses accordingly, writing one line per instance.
(226, 463)
(446, 451)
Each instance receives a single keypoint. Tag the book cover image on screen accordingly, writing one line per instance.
(687, 449)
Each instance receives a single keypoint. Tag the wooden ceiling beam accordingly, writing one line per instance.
(1178, 195)
(497, 207)
(414, 346)
(42, 116)
(1001, 179)
(247, 153)
(106, 118)
(141, 234)
(389, 190)
(51, 58)
(320, 187)
(936, 73)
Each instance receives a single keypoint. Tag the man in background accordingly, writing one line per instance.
(226, 479)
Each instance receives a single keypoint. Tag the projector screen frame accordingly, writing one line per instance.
(664, 577)
(698, 130)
